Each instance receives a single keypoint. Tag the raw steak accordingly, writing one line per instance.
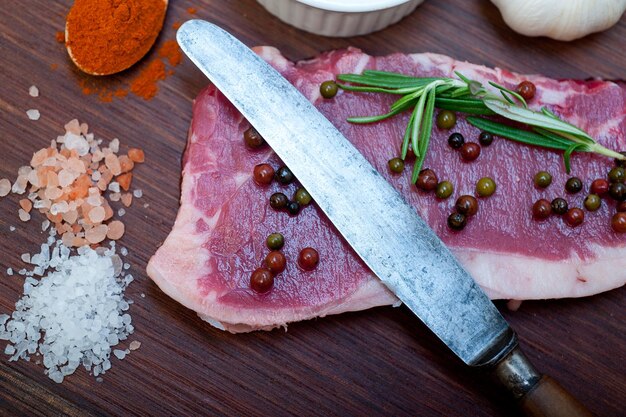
(219, 235)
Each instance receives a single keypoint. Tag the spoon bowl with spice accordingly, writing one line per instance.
(106, 37)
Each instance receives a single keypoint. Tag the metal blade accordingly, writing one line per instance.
(396, 244)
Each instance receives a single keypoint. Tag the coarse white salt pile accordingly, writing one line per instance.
(75, 314)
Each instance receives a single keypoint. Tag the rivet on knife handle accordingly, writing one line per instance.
(538, 395)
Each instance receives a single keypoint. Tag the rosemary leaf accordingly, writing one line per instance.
(407, 135)
(463, 105)
(518, 135)
(538, 119)
(424, 134)
(417, 123)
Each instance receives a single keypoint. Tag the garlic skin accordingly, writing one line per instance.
(564, 20)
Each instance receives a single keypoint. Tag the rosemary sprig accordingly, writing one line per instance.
(544, 128)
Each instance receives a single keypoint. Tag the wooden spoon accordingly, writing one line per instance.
(106, 37)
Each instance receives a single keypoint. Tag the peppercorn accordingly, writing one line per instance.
(444, 189)
(543, 179)
(485, 138)
(293, 208)
(284, 175)
(262, 280)
(485, 187)
(253, 139)
(308, 259)
(617, 191)
(276, 262)
(542, 209)
(396, 165)
(618, 222)
(527, 90)
(427, 180)
(466, 205)
(470, 151)
(599, 186)
(617, 174)
(457, 221)
(573, 185)
(592, 202)
(263, 174)
(456, 140)
(574, 217)
(278, 201)
(328, 89)
(275, 241)
(302, 197)
(559, 206)
(446, 119)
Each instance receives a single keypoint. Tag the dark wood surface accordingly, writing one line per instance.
(376, 362)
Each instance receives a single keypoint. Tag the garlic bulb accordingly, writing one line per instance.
(564, 20)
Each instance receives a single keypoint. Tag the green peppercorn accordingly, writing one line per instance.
(592, 202)
(573, 185)
(543, 179)
(444, 189)
(328, 89)
(275, 241)
(278, 201)
(284, 175)
(559, 206)
(446, 119)
(457, 221)
(456, 140)
(485, 138)
(302, 197)
(485, 187)
(617, 174)
(396, 165)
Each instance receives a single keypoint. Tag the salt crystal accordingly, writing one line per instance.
(138, 193)
(33, 114)
(77, 306)
(77, 142)
(123, 251)
(25, 257)
(33, 91)
(24, 216)
(126, 266)
(9, 271)
(121, 212)
(12, 228)
(134, 345)
(115, 145)
(45, 224)
(114, 186)
(146, 205)
(5, 187)
(143, 295)
(99, 379)
(115, 196)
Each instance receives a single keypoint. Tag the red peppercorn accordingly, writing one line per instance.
(467, 205)
(308, 259)
(262, 280)
(263, 174)
(253, 139)
(599, 186)
(618, 222)
(470, 151)
(427, 180)
(275, 261)
(621, 207)
(527, 90)
(574, 217)
(542, 209)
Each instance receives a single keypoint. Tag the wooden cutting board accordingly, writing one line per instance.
(377, 362)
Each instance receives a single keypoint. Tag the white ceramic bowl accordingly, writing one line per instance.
(340, 18)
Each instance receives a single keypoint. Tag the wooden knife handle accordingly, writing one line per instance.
(538, 395)
(548, 399)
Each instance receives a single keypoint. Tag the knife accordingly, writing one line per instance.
(413, 262)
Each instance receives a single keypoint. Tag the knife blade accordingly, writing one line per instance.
(385, 231)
